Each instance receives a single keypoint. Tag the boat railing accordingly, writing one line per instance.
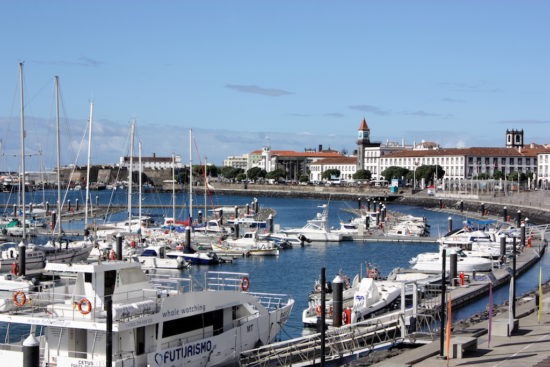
(53, 303)
(219, 281)
(271, 301)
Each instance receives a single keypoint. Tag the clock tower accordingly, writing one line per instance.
(363, 141)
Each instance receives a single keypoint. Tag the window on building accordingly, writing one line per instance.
(520, 160)
(512, 160)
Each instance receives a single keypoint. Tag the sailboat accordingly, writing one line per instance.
(36, 256)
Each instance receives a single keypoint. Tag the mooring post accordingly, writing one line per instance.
(502, 249)
(323, 305)
(450, 224)
(359, 203)
(337, 300)
(453, 268)
(443, 291)
(76, 205)
(505, 214)
(514, 278)
(270, 223)
(109, 333)
(31, 352)
(188, 240)
(518, 218)
(119, 247)
(199, 214)
(482, 209)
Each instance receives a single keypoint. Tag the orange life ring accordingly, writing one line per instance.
(330, 311)
(318, 310)
(84, 306)
(112, 255)
(245, 283)
(19, 298)
(344, 317)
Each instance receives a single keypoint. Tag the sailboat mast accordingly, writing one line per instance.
(58, 146)
(173, 188)
(130, 174)
(205, 185)
(190, 178)
(88, 164)
(22, 145)
(139, 181)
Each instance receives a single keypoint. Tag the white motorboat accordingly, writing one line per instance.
(317, 229)
(151, 325)
(251, 242)
(364, 299)
(159, 257)
(431, 261)
(36, 256)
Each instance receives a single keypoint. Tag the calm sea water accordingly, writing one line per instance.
(294, 271)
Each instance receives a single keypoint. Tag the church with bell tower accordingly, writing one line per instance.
(363, 142)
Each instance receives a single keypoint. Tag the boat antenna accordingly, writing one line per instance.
(22, 245)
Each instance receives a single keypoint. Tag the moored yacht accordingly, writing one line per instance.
(151, 326)
(317, 229)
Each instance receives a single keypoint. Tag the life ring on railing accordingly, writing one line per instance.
(245, 283)
(318, 310)
(344, 317)
(84, 306)
(19, 298)
(133, 244)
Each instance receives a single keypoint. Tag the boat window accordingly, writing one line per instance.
(140, 340)
(87, 277)
(110, 280)
(195, 322)
(131, 275)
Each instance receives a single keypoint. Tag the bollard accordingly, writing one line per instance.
(22, 258)
(30, 208)
(220, 213)
(236, 230)
(109, 330)
(15, 210)
(482, 209)
(188, 249)
(270, 223)
(518, 218)
(449, 224)
(247, 209)
(502, 248)
(86, 232)
(337, 301)
(440, 204)
(367, 222)
(453, 268)
(118, 247)
(368, 205)
(96, 200)
(236, 213)
(461, 206)
(31, 352)
(69, 205)
(54, 219)
(505, 214)
(359, 203)
(200, 217)
(47, 207)
(377, 219)
(76, 206)
(522, 243)
(513, 277)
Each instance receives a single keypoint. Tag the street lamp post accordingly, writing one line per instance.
(414, 175)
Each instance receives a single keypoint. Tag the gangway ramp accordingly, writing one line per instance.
(348, 340)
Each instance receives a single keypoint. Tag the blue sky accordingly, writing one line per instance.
(292, 74)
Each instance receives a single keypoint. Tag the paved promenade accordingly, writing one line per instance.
(528, 346)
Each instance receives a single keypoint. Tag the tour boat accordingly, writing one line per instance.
(159, 257)
(114, 314)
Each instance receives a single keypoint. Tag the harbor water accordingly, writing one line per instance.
(294, 271)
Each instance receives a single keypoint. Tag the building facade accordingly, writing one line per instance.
(237, 161)
(154, 162)
(346, 165)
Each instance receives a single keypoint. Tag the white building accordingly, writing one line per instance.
(346, 165)
(237, 161)
(153, 162)
(466, 163)
(369, 153)
(543, 159)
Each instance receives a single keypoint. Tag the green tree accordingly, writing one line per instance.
(514, 176)
(304, 178)
(362, 174)
(428, 172)
(276, 174)
(230, 172)
(240, 177)
(329, 173)
(482, 176)
(395, 172)
(498, 175)
(256, 172)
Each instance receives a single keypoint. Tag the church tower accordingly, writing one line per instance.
(514, 138)
(363, 141)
